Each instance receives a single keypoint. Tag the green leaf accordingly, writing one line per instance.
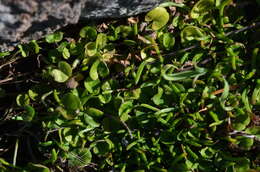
(32, 94)
(90, 49)
(105, 97)
(245, 143)
(55, 37)
(242, 165)
(101, 41)
(65, 68)
(23, 50)
(4, 54)
(124, 30)
(93, 73)
(202, 8)
(88, 32)
(36, 46)
(71, 102)
(66, 53)
(103, 69)
(92, 85)
(29, 113)
(96, 113)
(59, 76)
(102, 148)
(22, 100)
(38, 167)
(130, 43)
(139, 72)
(256, 95)
(54, 156)
(145, 52)
(159, 16)
(240, 122)
(246, 101)
(90, 121)
(207, 152)
(190, 33)
(255, 130)
(191, 153)
(61, 111)
(157, 98)
(224, 96)
(167, 40)
(181, 75)
(124, 110)
(79, 157)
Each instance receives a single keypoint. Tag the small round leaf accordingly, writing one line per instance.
(159, 16)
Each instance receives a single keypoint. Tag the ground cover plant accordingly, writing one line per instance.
(176, 89)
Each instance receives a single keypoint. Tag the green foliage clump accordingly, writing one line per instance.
(175, 90)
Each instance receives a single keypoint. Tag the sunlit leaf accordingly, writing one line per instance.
(94, 112)
(55, 37)
(157, 98)
(90, 49)
(22, 100)
(90, 121)
(59, 76)
(181, 75)
(159, 16)
(124, 110)
(93, 73)
(201, 8)
(101, 41)
(65, 68)
(139, 72)
(79, 157)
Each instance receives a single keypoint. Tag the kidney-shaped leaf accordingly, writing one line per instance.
(190, 33)
(65, 68)
(55, 37)
(59, 76)
(88, 32)
(202, 7)
(159, 16)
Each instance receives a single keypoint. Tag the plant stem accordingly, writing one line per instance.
(15, 151)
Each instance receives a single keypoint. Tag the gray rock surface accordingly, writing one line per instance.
(25, 20)
(116, 8)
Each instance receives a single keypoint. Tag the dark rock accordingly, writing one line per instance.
(25, 20)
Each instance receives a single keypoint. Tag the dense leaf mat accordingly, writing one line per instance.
(177, 89)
